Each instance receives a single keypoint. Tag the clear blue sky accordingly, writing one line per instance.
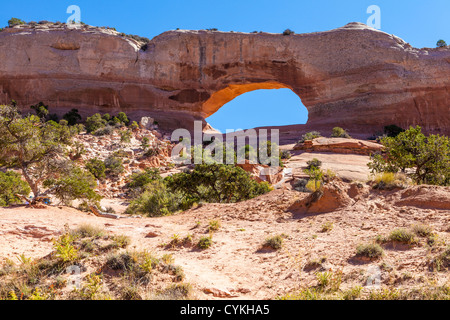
(421, 23)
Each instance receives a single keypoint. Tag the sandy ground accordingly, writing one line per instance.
(236, 266)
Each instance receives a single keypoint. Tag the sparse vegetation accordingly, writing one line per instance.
(402, 236)
(275, 242)
(310, 136)
(214, 225)
(205, 242)
(288, 32)
(441, 44)
(371, 251)
(12, 185)
(327, 227)
(35, 147)
(338, 132)
(390, 181)
(15, 21)
(424, 159)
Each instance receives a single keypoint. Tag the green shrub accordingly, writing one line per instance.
(41, 110)
(217, 183)
(205, 242)
(441, 44)
(104, 131)
(402, 236)
(123, 118)
(372, 250)
(300, 185)
(275, 242)
(310, 136)
(114, 165)
(139, 180)
(288, 32)
(316, 163)
(424, 159)
(214, 225)
(15, 21)
(125, 136)
(11, 184)
(339, 133)
(422, 230)
(72, 117)
(94, 123)
(285, 154)
(157, 200)
(74, 184)
(96, 167)
(65, 249)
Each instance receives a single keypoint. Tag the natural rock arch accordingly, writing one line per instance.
(355, 77)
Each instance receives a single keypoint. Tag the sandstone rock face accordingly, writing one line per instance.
(353, 77)
(340, 145)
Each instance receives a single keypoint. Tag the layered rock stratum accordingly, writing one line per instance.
(354, 77)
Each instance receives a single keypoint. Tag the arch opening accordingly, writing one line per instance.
(260, 107)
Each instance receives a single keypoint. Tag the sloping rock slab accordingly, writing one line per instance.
(340, 145)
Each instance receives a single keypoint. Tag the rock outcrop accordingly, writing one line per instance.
(354, 77)
(340, 145)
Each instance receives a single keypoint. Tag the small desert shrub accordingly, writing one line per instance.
(65, 249)
(422, 230)
(94, 122)
(214, 225)
(300, 185)
(96, 167)
(402, 236)
(390, 181)
(15, 21)
(329, 281)
(310, 136)
(125, 136)
(175, 292)
(114, 165)
(139, 180)
(313, 185)
(339, 133)
(87, 231)
(158, 200)
(442, 261)
(275, 242)
(316, 163)
(288, 32)
(371, 250)
(104, 131)
(121, 241)
(327, 227)
(204, 242)
(285, 154)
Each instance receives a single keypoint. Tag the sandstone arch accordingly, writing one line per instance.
(354, 77)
